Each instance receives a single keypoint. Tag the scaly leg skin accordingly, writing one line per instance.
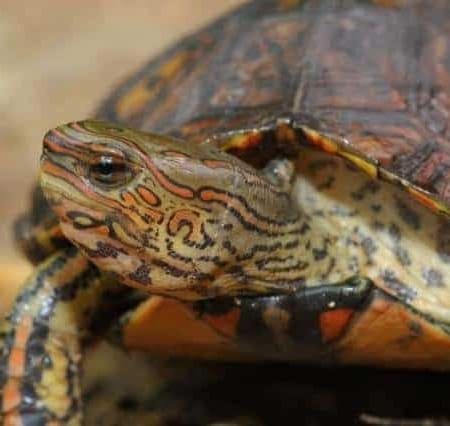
(41, 354)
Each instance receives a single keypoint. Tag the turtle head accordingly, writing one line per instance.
(168, 216)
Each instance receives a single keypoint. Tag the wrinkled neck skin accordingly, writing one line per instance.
(194, 222)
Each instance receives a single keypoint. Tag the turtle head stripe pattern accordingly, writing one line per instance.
(174, 218)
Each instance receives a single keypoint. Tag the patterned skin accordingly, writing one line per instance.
(288, 255)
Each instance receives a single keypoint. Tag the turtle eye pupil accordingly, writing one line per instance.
(107, 170)
(105, 166)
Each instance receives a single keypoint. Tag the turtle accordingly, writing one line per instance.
(274, 187)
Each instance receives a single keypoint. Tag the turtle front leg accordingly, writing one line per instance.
(42, 348)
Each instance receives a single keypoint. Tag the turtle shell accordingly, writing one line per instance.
(368, 80)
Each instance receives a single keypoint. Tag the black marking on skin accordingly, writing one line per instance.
(318, 213)
(292, 244)
(353, 264)
(141, 275)
(408, 214)
(247, 225)
(37, 360)
(106, 250)
(331, 266)
(175, 255)
(25, 297)
(305, 228)
(376, 208)
(327, 184)
(394, 232)
(145, 240)
(213, 259)
(369, 247)
(229, 247)
(237, 272)
(369, 188)
(405, 293)
(179, 273)
(206, 210)
(142, 215)
(173, 182)
(402, 255)
(319, 254)
(259, 249)
(340, 211)
(227, 226)
(378, 226)
(318, 165)
(148, 219)
(433, 277)
(443, 241)
(263, 264)
(415, 328)
(207, 240)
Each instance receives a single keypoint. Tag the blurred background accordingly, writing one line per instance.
(58, 60)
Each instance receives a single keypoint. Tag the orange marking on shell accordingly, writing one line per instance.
(387, 3)
(425, 200)
(333, 323)
(388, 334)
(286, 133)
(148, 196)
(321, 141)
(194, 129)
(244, 141)
(227, 323)
(134, 101)
(288, 4)
(180, 191)
(169, 327)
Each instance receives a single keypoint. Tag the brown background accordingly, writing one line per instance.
(58, 60)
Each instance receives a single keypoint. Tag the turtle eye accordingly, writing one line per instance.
(109, 171)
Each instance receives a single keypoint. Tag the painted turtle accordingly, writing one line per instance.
(292, 203)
